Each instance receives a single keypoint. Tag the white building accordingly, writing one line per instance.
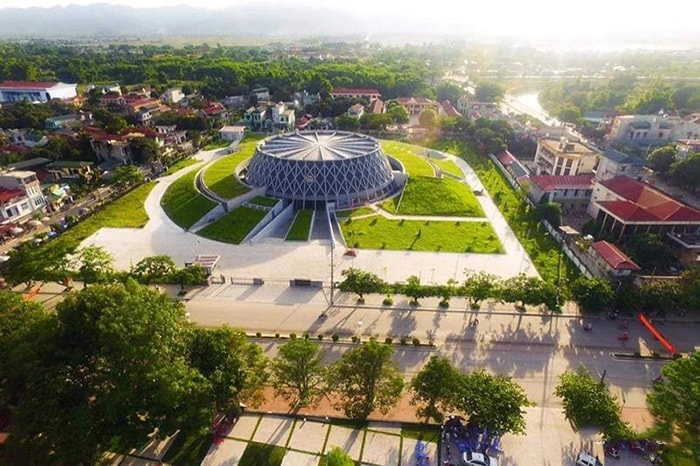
(283, 117)
(653, 130)
(262, 94)
(172, 96)
(39, 91)
(612, 163)
(563, 157)
(356, 111)
(232, 133)
(22, 196)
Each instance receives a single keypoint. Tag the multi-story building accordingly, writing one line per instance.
(563, 157)
(39, 91)
(282, 117)
(369, 94)
(23, 196)
(653, 130)
(415, 105)
(612, 163)
(172, 96)
(573, 193)
(255, 117)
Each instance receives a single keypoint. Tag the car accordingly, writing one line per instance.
(586, 459)
(470, 458)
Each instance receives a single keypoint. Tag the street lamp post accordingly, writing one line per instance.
(332, 269)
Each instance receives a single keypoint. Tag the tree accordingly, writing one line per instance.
(108, 368)
(298, 372)
(398, 114)
(154, 269)
(489, 92)
(494, 402)
(365, 379)
(686, 173)
(449, 91)
(189, 276)
(234, 367)
(662, 158)
(648, 250)
(592, 294)
(551, 211)
(428, 118)
(675, 401)
(414, 290)
(588, 402)
(361, 282)
(145, 150)
(127, 176)
(25, 265)
(434, 388)
(93, 264)
(480, 286)
(337, 457)
(346, 122)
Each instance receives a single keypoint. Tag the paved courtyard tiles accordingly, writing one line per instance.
(381, 449)
(349, 440)
(408, 457)
(297, 458)
(309, 436)
(226, 453)
(245, 426)
(133, 461)
(274, 430)
(386, 427)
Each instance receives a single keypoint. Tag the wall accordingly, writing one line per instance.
(279, 214)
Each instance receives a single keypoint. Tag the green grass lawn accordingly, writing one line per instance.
(220, 177)
(448, 166)
(435, 196)
(378, 232)
(354, 213)
(264, 201)
(179, 165)
(260, 454)
(233, 226)
(124, 212)
(188, 449)
(183, 203)
(542, 249)
(219, 144)
(299, 230)
(409, 156)
(424, 432)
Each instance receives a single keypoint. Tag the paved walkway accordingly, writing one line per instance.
(275, 259)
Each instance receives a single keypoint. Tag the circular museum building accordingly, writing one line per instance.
(313, 168)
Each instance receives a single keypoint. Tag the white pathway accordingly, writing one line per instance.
(274, 259)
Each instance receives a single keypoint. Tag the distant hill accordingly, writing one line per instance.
(114, 20)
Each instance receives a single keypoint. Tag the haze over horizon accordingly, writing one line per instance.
(595, 21)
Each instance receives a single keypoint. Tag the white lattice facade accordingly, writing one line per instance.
(316, 167)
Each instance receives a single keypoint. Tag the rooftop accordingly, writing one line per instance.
(9, 194)
(565, 147)
(553, 182)
(351, 91)
(615, 258)
(414, 101)
(621, 157)
(317, 146)
(449, 109)
(30, 163)
(30, 84)
(643, 203)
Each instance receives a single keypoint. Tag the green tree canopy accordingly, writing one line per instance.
(686, 173)
(337, 457)
(592, 294)
(662, 158)
(127, 176)
(298, 372)
(154, 269)
(361, 282)
(93, 264)
(481, 285)
(365, 379)
(648, 250)
(489, 92)
(104, 371)
(676, 400)
(428, 118)
(434, 388)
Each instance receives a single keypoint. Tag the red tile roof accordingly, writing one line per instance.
(617, 259)
(29, 84)
(9, 194)
(450, 109)
(506, 158)
(553, 182)
(414, 101)
(645, 203)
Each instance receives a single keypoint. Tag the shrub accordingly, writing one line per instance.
(444, 304)
(335, 337)
(388, 300)
(354, 339)
(388, 340)
(277, 335)
(320, 336)
(258, 334)
(292, 336)
(403, 340)
(416, 342)
(306, 335)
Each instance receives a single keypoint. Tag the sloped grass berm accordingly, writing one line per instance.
(234, 226)
(436, 196)
(183, 203)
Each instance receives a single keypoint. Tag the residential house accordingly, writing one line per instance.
(573, 193)
(236, 101)
(215, 110)
(172, 96)
(262, 94)
(144, 109)
(623, 206)
(474, 109)
(283, 118)
(26, 138)
(686, 147)
(255, 117)
(112, 99)
(69, 170)
(232, 133)
(35, 91)
(513, 165)
(23, 195)
(446, 109)
(36, 165)
(415, 105)
(110, 147)
(356, 111)
(613, 163)
(376, 107)
(348, 93)
(170, 135)
(610, 261)
(63, 121)
(652, 130)
(563, 157)
(304, 98)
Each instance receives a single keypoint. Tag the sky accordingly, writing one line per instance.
(531, 18)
